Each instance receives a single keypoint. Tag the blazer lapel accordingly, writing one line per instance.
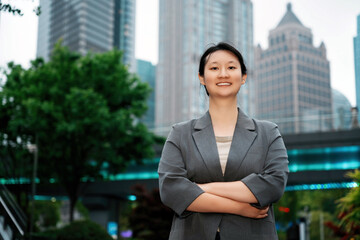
(205, 141)
(244, 136)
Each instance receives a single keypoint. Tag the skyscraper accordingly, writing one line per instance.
(186, 29)
(85, 26)
(146, 72)
(357, 64)
(293, 79)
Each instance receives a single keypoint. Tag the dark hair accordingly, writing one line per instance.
(220, 46)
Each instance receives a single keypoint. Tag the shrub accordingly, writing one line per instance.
(83, 230)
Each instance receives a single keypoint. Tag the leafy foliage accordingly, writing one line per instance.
(349, 216)
(77, 230)
(10, 9)
(84, 112)
(82, 230)
(319, 204)
(16, 11)
(150, 219)
(47, 214)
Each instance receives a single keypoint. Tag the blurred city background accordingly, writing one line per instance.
(89, 90)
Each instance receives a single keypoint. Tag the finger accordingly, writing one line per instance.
(263, 212)
(262, 216)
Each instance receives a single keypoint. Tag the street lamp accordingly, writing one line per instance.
(33, 148)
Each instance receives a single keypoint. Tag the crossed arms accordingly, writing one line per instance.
(227, 197)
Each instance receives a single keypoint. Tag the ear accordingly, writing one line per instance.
(243, 79)
(202, 80)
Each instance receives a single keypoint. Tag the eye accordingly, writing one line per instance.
(214, 68)
(232, 67)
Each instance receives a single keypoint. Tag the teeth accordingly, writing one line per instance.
(223, 84)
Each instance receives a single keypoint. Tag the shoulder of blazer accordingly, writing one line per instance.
(178, 130)
(266, 128)
(264, 125)
(183, 126)
(196, 123)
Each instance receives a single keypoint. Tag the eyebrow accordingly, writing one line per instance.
(227, 62)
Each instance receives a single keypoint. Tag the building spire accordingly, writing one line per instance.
(289, 17)
(288, 6)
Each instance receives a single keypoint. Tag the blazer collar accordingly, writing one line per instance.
(204, 138)
(242, 121)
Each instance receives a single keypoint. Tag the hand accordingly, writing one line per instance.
(249, 211)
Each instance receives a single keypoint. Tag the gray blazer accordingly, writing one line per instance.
(257, 157)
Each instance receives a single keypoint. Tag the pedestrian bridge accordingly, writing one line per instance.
(320, 160)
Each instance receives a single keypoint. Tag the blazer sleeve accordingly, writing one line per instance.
(269, 185)
(176, 190)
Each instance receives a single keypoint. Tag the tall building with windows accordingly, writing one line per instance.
(146, 71)
(186, 29)
(357, 64)
(293, 79)
(84, 26)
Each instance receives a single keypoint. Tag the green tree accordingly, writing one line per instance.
(15, 159)
(84, 113)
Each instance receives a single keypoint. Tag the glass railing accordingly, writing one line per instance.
(13, 222)
(316, 123)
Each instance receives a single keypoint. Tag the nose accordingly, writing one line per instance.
(223, 73)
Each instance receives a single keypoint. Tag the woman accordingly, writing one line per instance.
(221, 173)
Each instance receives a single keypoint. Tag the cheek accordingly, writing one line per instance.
(208, 76)
(238, 76)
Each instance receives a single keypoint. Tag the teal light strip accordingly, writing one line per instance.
(324, 166)
(134, 176)
(325, 150)
(50, 198)
(10, 181)
(323, 186)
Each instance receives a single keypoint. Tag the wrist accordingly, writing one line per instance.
(204, 187)
(240, 208)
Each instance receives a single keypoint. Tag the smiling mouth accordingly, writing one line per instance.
(223, 84)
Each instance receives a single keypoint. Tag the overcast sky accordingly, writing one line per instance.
(331, 21)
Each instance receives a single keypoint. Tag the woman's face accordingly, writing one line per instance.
(222, 74)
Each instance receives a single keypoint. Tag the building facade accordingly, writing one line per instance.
(357, 64)
(147, 71)
(186, 29)
(84, 26)
(293, 79)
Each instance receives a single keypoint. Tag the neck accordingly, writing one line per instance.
(222, 108)
(224, 116)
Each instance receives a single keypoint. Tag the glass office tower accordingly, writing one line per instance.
(146, 71)
(186, 29)
(84, 26)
